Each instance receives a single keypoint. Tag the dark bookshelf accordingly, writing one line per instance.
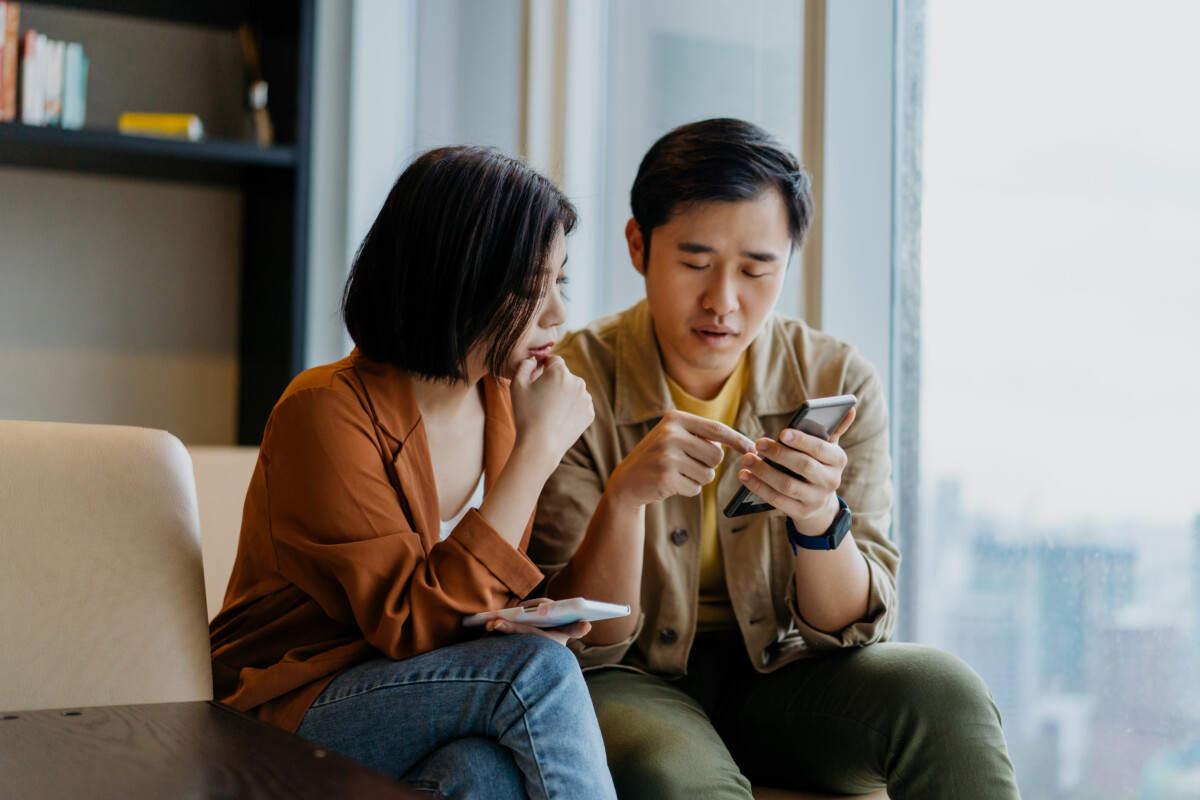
(209, 13)
(274, 181)
(111, 153)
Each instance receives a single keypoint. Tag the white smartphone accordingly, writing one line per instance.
(552, 614)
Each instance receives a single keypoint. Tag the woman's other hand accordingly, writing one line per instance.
(560, 634)
(576, 630)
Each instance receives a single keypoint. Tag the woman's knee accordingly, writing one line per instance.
(540, 652)
(537, 663)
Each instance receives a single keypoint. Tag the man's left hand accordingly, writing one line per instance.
(812, 502)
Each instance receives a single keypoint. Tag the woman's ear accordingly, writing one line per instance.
(637, 246)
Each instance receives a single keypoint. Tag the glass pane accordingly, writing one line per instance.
(1060, 493)
(676, 61)
(469, 75)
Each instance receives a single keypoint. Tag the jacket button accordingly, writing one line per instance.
(668, 636)
(679, 537)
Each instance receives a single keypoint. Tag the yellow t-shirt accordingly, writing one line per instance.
(715, 612)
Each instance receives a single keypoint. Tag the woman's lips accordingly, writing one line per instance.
(541, 353)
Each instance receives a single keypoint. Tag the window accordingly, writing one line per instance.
(1059, 538)
(664, 64)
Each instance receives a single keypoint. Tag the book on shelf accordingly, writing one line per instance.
(43, 81)
(74, 95)
(172, 126)
(33, 86)
(52, 81)
(10, 16)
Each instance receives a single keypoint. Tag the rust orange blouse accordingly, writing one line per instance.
(339, 559)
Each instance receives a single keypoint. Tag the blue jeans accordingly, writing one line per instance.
(497, 717)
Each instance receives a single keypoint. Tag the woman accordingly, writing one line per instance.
(394, 494)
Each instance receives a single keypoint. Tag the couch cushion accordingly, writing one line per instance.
(222, 476)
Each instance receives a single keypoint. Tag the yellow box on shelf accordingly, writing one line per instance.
(173, 126)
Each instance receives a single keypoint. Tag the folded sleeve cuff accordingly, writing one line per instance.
(874, 627)
(602, 655)
(510, 566)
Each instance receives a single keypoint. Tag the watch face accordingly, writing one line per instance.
(841, 526)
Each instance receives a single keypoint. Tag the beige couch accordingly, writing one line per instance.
(100, 569)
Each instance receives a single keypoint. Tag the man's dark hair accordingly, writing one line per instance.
(718, 160)
(455, 258)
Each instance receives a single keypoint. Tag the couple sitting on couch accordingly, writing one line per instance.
(395, 494)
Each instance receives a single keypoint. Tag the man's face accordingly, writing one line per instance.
(714, 274)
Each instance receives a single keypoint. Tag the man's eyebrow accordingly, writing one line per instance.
(765, 256)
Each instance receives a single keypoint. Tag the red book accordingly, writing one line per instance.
(8, 64)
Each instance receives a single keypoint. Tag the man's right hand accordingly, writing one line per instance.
(678, 456)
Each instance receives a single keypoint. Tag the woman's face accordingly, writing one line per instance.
(540, 335)
(541, 332)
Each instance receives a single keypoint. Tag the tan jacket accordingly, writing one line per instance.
(789, 363)
(339, 559)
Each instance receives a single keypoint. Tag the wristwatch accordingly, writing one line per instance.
(827, 541)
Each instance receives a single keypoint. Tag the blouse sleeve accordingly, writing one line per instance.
(340, 534)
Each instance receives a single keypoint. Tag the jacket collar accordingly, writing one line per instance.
(393, 407)
(775, 386)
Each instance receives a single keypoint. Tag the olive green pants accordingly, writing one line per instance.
(913, 718)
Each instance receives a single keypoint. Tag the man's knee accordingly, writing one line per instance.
(671, 764)
(933, 681)
(661, 745)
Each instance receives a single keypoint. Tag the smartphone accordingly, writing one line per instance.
(820, 418)
(552, 614)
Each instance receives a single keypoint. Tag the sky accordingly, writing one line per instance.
(1061, 259)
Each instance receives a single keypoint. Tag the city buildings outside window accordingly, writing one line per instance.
(1059, 532)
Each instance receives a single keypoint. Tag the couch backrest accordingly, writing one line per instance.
(101, 577)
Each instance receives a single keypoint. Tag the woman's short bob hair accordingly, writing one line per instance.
(718, 160)
(456, 259)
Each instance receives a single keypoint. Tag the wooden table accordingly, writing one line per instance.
(172, 750)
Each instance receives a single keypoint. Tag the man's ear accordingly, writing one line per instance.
(637, 246)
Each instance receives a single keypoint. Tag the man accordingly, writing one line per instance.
(753, 648)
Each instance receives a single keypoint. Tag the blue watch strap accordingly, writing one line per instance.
(827, 541)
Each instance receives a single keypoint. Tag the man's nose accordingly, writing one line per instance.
(720, 296)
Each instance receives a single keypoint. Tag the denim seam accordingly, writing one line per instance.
(428, 786)
(319, 703)
(529, 735)
(511, 688)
